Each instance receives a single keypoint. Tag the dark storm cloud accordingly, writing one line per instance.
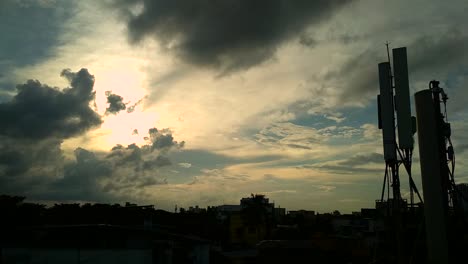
(19, 156)
(33, 125)
(28, 165)
(81, 177)
(29, 31)
(12, 161)
(123, 156)
(162, 139)
(357, 78)
(308, 41)
(100, 176)
(432, 56)
(38, 111)
(144, 157)
(41, 172)
(147, 157)
(227, 35)
(115, 102)
(445, 59)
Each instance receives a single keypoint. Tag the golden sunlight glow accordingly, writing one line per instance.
(123, 76)
(120, 128)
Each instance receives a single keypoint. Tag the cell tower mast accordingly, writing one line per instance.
(396, 154)
(444, 218)
(406, 124)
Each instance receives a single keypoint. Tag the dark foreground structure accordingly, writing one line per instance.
(100, 244)
(252, 232)
(441, 215)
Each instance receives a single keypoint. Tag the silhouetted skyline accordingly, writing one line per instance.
(169, 102)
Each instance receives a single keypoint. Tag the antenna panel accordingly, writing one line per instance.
(386, 112)
(402, 99)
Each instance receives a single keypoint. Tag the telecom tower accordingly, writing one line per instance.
(444, 222)
(394, 98)
(395, 154)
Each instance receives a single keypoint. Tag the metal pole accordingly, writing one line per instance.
(383, 187)
(430, 161)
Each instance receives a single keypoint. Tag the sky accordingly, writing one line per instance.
(205, 102)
